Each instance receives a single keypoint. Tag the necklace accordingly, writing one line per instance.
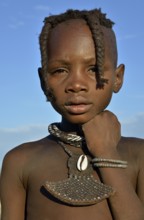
(69, 138)
(80, 188)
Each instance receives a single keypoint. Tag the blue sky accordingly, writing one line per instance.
(24, 112)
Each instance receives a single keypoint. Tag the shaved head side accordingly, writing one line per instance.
(110, 44)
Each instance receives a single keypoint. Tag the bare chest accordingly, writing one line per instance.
(42, 205)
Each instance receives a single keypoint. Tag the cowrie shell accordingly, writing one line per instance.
(82, 163)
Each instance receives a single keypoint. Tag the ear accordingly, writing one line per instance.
(119, 76)
(40, 73)
(46, 91)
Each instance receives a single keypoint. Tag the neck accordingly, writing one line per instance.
(71, 128)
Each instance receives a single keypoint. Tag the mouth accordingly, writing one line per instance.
(77, 107)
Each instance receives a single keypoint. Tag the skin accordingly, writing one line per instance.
(72, 79)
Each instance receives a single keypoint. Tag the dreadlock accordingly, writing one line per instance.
(94, 19)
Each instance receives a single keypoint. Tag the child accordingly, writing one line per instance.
(84, 169)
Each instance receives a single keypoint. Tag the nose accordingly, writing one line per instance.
(76, 82)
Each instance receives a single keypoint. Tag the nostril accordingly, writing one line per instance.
(76, 87)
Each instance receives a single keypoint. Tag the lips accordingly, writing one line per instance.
(77, 105)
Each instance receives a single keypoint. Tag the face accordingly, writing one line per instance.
(71, 76)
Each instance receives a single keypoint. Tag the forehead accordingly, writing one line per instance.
(70, 29)
(76, 29)
(73, 24)
(73, 36)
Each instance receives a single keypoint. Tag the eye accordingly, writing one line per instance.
(93, 69)
(58, 71)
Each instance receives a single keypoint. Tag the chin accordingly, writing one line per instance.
(78, 119)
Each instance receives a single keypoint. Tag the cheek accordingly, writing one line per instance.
(107, 101)
(50, 95)
(56, 99)
(58, 107)
(103, 98)
(52, 90)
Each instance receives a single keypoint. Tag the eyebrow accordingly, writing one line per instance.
(90, 60)
(58, 61)
(67, 62)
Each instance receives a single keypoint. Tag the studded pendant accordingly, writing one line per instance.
(80, 188)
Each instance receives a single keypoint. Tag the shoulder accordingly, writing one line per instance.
(25, 151)
(132, 148)
(19, 158)
(132, 143)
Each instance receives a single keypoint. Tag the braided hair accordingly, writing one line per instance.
(94, 19)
